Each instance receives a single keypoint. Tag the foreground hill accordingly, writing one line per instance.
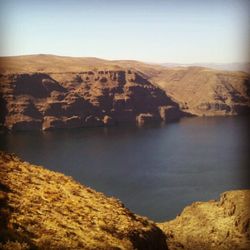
(41, 209)
(47, 92)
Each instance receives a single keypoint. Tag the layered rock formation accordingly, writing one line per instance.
(41, 209)
(220, 225)
(47, 92)
(207, 92)
(88, 98)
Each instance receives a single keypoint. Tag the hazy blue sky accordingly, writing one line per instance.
(181, 31)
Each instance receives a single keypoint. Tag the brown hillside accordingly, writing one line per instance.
(47, 92)
(62, 64)
(203, 91)
(41, 209)
(218, 225)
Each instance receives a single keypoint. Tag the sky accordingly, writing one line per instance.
(158, 31)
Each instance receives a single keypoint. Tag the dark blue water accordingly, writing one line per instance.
(155, 171)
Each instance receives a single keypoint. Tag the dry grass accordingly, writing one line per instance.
(42, 209)
(63, 64)
(222, 225)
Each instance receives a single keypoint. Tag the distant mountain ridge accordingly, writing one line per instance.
(13, 63)
(219, 66)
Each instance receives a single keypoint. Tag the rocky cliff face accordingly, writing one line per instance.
(207, 92)
(48, 92)
(41, 209)
(89, 98)
(220, 225)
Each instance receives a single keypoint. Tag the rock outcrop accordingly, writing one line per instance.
(41, 209)
(84, 99)
(220, 225)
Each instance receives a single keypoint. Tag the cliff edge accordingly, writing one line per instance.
(82, 99)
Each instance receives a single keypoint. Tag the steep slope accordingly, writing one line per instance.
(41, 209)
(220, 225)
(203, 91)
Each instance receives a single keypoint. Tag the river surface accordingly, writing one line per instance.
(155, 171)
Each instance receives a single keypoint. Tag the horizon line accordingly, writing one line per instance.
(127, 59)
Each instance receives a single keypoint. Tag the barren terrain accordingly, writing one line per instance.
(48, 92)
